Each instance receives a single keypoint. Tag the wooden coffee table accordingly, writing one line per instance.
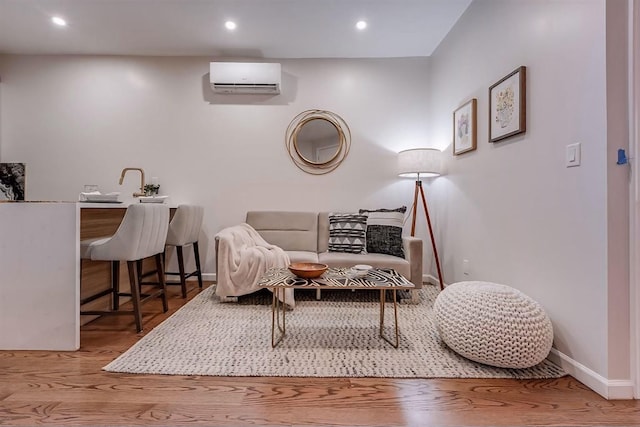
(279, 279)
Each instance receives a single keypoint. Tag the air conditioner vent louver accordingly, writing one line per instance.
(245, 78)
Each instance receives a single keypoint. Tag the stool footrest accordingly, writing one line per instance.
(186, 276)
(145, 296)
(104, 312)
(96, 296)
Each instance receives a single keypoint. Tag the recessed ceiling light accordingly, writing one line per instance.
(361, 25)
(59, 21)
(230, 25)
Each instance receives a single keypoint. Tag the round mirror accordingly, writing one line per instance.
(318, 141)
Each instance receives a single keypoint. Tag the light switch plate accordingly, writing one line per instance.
(573, 155)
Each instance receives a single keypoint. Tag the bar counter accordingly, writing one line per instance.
(39, 281)
(41, 270)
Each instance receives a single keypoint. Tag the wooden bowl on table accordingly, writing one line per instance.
(308, 270)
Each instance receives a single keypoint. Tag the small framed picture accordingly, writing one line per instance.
(464, 127)
(12, 177)
(507, 106)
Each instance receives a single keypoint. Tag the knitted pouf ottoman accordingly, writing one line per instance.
(493, 324)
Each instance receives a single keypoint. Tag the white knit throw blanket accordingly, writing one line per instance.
(243, 257)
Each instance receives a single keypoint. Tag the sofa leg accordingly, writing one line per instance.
(415, 297)
(228, 299)
(318, 294)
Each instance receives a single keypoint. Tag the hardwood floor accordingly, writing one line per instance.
(69, 389)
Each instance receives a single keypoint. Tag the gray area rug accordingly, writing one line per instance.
(334, 337)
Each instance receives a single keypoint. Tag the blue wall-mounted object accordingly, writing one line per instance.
(622, 157)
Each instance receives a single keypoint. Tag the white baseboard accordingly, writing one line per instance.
(209, 276)
(428, 278)
(609, 389)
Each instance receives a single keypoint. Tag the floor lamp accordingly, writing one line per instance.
(421, 163)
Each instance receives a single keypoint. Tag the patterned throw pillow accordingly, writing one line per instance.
(384, 231)
(347, 233)
(401, 209)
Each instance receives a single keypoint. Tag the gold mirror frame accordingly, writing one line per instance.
(309, 166)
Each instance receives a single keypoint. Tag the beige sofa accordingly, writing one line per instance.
(305, 238)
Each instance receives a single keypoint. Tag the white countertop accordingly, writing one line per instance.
(83, 205)
(120, 205)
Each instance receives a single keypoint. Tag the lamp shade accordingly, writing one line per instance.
(420, 162)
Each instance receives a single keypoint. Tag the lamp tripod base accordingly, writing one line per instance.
(420, 190)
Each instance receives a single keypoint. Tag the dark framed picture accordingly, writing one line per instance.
(507, 106)
(464, 127)
(12, 177)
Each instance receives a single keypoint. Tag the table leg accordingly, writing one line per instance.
(276, 308)
(395, 315)
(382, 301)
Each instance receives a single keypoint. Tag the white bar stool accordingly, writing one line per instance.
(184, 230)
(141, 234)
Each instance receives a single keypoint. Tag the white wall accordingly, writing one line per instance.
(512, 208)
(634, 134)
(618, 194)
(78, 120)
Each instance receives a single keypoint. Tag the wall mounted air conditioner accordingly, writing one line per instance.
(245, 77)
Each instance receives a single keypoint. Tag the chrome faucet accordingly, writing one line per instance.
(124, 171)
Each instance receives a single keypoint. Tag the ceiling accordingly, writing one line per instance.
(265, 28)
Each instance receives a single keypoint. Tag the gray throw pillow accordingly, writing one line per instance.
(348, 233)
(401, 209)
(384, 231)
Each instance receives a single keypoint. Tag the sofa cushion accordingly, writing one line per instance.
(302, 256)
(337, 259)
(347, 232)
(292, 231)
